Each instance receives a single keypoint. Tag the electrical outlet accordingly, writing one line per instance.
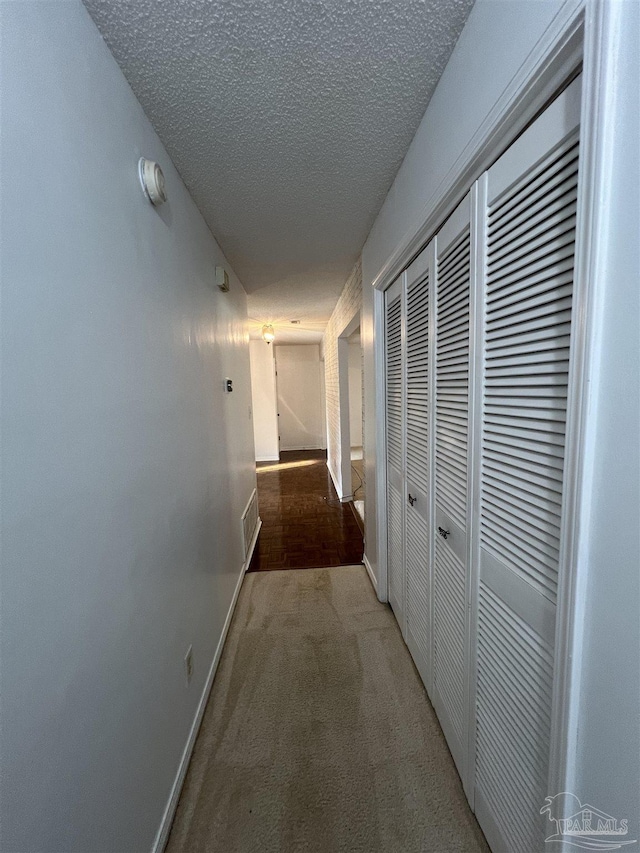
(188, 665)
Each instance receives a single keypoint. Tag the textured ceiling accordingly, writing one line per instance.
(287, 120)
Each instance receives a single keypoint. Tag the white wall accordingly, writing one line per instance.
(496, 40)
(346, 316)
(265, 407)
(355, 394)
(607, 772)
(498, 36)
(299, 396)
(125, 466)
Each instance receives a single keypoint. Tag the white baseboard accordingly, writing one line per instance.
(369, 569)
(254, 539)
(302, 447)
(162, 836)
(267, 458)
(343, 498)
(333, 477)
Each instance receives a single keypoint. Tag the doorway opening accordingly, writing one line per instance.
(350, 379)
(299, 393)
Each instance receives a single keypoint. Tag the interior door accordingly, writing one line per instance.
(395, 403)
(450, 570)
(530, 220)
(419, 461)
(299, 391)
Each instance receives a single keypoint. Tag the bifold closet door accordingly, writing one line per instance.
(418, 461)
(450, 567)
(531, 194)
(395, 405)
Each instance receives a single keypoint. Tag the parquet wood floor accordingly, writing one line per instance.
(301, 529)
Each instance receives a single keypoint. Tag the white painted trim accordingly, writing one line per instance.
(554, 59)
(380, 371)
(403, 486)
(421, 662)
(252, 499)
(164, 829)
(302, 447)
(476, 382)
(490, 828)
(455, 224)
(431, 418)
(555, 56)
(252, 547)
(459, 221)
(267, 459)
(597, 131)
(344, 418)
(344, 445)
(396, 477)
(337, 486)
(323, 399)
(370, 572)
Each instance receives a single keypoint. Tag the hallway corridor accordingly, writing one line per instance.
(402, 235)
(317, 736)
(304, 525)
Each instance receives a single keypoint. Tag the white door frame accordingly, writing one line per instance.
(323, 400)
(556, 57)
(380, 426)
(320, 436)
(349, 327)
(583, 32)
(345, 426)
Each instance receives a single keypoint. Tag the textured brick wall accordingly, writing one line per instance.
(349, 303)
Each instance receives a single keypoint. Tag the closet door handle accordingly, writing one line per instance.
(444, 533)
(412, 499)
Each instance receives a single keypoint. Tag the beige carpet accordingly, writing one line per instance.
(318, 736)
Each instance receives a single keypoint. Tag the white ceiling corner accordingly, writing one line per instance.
(288, 120)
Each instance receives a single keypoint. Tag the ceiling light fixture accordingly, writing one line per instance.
(268, 334)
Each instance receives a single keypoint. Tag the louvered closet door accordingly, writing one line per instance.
(419, 280)
(450, 576)
(531, 216)
(394, 352)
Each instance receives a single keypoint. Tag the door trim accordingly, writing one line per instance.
(554, 59)
(556, 56)
(342, 477)
(583, 32)
(476, 375)
(398, 291)
(603, 23)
